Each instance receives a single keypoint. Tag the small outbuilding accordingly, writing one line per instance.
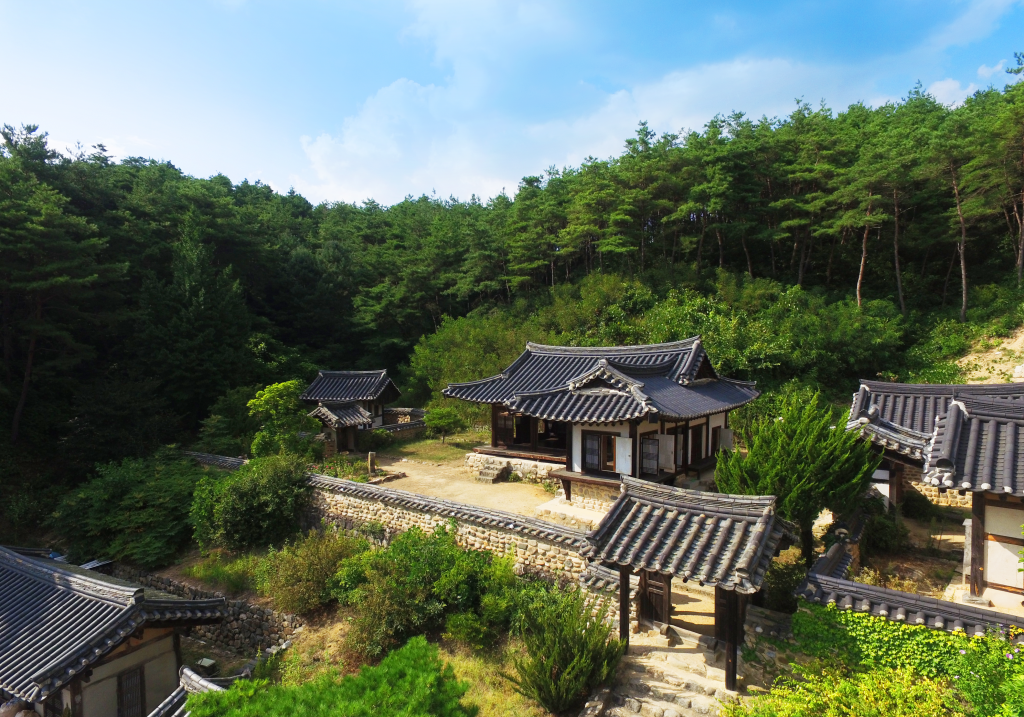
(77, 640)
(350, 401)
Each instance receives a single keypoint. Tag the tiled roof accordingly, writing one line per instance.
(345, 386)
(916, 405)
(342, 415)
(978, 445)
(895, 605)
(607, 384)
(715, 539)
(888, 435)
(56, 621)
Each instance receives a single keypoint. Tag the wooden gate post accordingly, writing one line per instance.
(624, 572)
(732, 630)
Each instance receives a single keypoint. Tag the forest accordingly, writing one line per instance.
(809, 250)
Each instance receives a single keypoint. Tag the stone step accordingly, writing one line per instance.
(680, 705)
(679, 671)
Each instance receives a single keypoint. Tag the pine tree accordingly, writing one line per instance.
(805, 458)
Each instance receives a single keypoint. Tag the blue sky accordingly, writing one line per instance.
(345, 101)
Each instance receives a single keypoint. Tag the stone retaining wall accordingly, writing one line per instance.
(594, 497)
(247, 628)
(554, 555)
(911, 481)
(529, 471)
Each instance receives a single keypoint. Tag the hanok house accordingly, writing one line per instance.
(76, 639)
(654, 412)
(662, 533)
(960, 445)
(349, 401)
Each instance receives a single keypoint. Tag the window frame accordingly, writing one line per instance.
(601, 435)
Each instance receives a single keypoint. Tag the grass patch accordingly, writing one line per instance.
(488, 691)
(232, 574)
(432, 450)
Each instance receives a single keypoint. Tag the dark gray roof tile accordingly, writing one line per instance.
(345, 386)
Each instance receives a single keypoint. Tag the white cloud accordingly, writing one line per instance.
(976, 22)
(950, 92)
(986, 71)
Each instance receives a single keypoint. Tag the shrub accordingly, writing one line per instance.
(374, 440)
(410, 587)
(257, 505)
(916, 506)
(988, 673)
(444, 422)
(780, 582)
(230, 428)
(884, 533)
(299, 577)
(882, 693)
(570, 651)
(135, 510)
(411, 681)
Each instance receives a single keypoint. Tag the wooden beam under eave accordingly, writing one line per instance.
(624, 572)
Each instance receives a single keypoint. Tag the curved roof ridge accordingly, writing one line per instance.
(637, 348)
(346, 372)
(111, 592)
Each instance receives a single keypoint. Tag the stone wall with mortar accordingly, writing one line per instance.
(247, 628)
(529, 471)
(911, 481)
(593, 497)
(539, 547)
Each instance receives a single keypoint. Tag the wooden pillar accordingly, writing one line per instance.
(568, 449)
(977, 542)
(567, 489)
(732, 629)
(634, 438)
(624, 572)
(667, 607)
(494, 425)
(533, 433)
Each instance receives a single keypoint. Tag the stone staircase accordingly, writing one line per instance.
(677, 674)
(494, 470)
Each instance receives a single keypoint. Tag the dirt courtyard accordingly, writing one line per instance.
(450, 480)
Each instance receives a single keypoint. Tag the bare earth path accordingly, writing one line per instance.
(452, 481)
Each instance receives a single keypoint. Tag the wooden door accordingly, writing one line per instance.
(655, 596)
(131, 691)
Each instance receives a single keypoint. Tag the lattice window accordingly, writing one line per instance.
(649, 456)
(591, 452)
(131, 694)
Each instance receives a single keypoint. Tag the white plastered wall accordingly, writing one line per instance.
(99, 695)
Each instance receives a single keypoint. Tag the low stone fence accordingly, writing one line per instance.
(911, 482)
(539, 547)
(247, 628)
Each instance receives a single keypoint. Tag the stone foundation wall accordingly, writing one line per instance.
(594, 497)
(912, 481)
(247, 628)
(529, 471)
(539, 548)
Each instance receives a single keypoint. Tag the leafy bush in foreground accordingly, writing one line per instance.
(424, 582)
(135, 510)
(256, 506)
(883, 693)
(410, 682)
(299, 577)
(569, 650)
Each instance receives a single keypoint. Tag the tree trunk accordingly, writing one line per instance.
(700, 242)
(1020, 240)
(805, 258)
(896, 250)
(16, 423)
(5, 331)
(924, 262)
(828, 268)
(960, 248)
(721, 250)
(863, 262)
(750, 264)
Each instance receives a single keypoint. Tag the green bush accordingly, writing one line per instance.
(882, 693)
(883, 534)
(299, 577)
(424, 582)
(569, 650)
(410, 682)
(780, 582)
(135, 510)
(256, 506)
(444, 422)
(374, 440)
(230, 427)
(284, 426)
(916, 506)
(989, 672)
